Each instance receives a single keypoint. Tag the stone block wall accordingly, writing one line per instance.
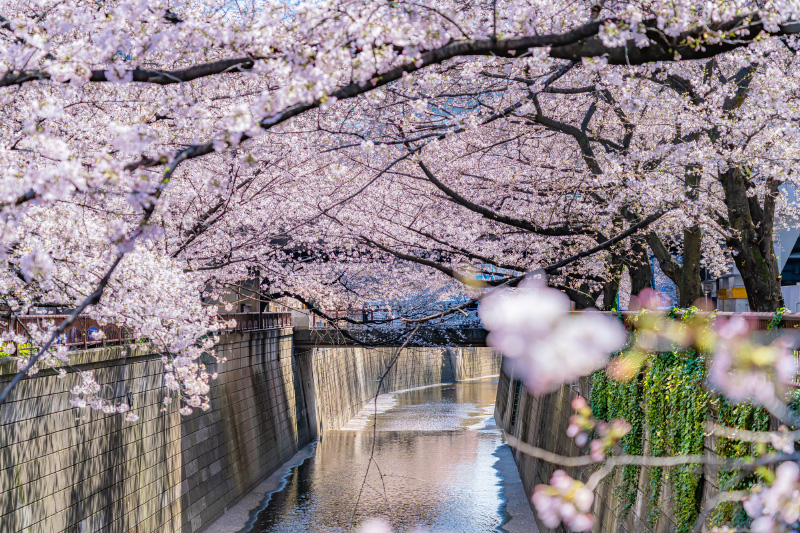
(63, 469)
(345, 378)
(471, 363)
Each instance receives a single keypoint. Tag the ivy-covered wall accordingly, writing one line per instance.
(668, 407)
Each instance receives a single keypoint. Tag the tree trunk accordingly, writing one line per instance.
(690, 287)
(638, 263)
(611, 286)
(583, 298)
(751, 239)
(685, 275)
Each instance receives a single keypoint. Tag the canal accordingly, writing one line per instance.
(432, 460)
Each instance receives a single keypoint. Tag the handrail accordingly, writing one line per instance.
(87, 332)
(762, 319)
(361, 317)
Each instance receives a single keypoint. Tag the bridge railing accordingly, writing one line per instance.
(361, 318)
(343, 318)
(87, 332)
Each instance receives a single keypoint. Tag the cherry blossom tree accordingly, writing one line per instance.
(158, 153)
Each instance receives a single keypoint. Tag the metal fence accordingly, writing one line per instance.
(87, 332)
(370, 317)
(349, 318)
(356, 318)
(762, 320)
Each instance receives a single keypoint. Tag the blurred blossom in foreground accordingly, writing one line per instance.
(375, 526)
(745, 371)
(609, 436)
(782, 441)
(582, 423)
(777, 506)
(545, 343)
(564, 500)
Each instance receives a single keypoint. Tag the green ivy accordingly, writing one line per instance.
(669, 404)
(777, 318)
(611, 399)
(740, 417)
(26, 349)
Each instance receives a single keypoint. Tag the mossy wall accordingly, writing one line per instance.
(668, 407)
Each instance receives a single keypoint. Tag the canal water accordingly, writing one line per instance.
(428, 462)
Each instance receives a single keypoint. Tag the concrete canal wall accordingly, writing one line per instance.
(62, 469)
(542, 421)
(345, 378)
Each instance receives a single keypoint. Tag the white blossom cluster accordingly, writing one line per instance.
(747, 371)
(776, 507)
(544, 341)
(89, 394)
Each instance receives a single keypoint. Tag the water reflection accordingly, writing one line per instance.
(433, 468)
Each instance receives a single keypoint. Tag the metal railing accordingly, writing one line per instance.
(87, 332)
(258, 321)
(365, 317)
(762, 320)
(360, 318)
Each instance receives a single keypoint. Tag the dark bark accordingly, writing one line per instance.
(751, 239)
(690, 287)
(638, 263)
(583, 298)
(686, 274)
(611, 287)
(575, 44)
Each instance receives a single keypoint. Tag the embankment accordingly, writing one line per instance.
(63, 469)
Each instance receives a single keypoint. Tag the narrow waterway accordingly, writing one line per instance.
(432, 460)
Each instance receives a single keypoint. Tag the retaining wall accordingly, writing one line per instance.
(63, 469)
(542, 421)
(345, 378)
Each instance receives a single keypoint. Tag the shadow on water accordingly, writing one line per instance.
(435, 452)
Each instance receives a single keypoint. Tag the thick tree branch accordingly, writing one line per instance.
(497, 217)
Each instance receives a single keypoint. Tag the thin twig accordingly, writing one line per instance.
(380, 381)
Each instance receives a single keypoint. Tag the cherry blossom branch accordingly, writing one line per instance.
(420, 260)
(550, 269)
(712, 503)
(21, 199)
(582, 41)
(498, 217)
(139, 75)
(380, 381)
(610, 463)
(747, 435)
(610, 242)
(62, 327)
(122, 249)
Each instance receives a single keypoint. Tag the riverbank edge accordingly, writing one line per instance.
(241, 516)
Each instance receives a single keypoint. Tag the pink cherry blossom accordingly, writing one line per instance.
(743, 370)
(546, 343)
(775, 507)
(564, 500)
